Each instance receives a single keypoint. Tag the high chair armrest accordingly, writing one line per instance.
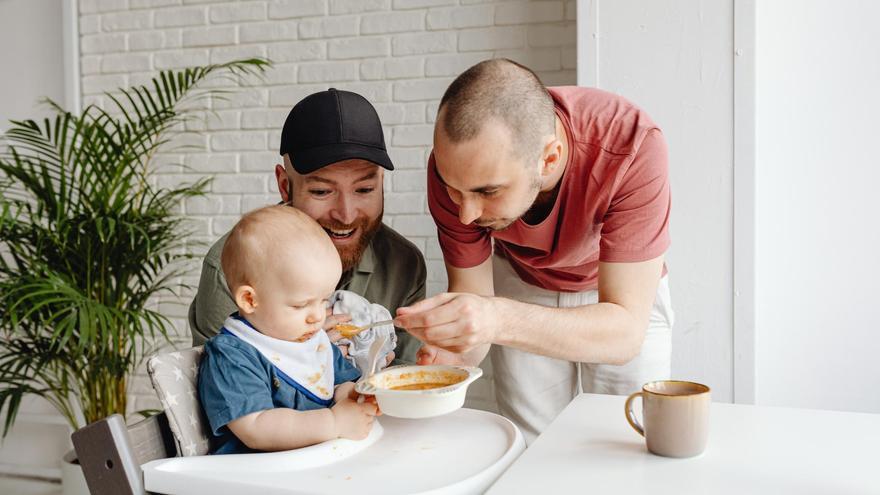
(111, 453)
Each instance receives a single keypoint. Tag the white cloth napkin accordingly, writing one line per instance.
(364, 312)
(309, 363)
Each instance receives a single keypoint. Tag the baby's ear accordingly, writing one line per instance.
(246, 299)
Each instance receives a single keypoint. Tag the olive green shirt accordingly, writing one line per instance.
(391, 273)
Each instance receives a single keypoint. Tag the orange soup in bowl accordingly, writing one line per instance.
(421, 386)
(423, 380)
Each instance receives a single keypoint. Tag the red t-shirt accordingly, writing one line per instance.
(613, 204)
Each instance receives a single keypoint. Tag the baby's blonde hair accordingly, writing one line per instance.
(263, 237)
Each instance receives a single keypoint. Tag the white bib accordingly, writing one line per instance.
(309, 364)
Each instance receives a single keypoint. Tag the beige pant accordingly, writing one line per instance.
(531, 390)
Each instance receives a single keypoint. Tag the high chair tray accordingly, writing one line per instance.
(461, 452)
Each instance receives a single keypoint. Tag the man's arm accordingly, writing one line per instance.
(609, 332)
(475, 280)
(211, 305)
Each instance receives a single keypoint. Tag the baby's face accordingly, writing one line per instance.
(292, 300)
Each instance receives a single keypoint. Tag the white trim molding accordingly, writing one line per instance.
(70, 40)
(588, 42)
(744, 197)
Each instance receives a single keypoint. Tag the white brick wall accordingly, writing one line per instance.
(400, 54)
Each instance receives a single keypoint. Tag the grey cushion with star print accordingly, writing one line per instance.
(174, 376)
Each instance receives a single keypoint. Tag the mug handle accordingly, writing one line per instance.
(630, 416)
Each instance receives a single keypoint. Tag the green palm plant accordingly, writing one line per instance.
(88, 241)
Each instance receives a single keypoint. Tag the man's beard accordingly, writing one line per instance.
(351, 255)
(503, 223)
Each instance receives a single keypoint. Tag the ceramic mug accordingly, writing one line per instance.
(675, 415)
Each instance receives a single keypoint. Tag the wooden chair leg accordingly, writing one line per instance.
(111, 454)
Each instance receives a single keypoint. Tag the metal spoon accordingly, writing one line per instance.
(373, 355)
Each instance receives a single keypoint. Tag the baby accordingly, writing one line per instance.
(271, 380)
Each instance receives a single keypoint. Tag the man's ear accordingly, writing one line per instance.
(246, 299)
(551, 156)
(283, 182)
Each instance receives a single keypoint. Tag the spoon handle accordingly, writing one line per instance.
(377, 324)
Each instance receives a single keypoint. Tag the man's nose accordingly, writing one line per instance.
(469, 211)
(344, 211)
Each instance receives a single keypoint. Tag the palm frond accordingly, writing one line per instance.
(87, 241)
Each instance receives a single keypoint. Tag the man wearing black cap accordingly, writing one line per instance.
(334, 159)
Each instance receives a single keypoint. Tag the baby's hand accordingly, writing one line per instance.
(344, 391)
(353, 420)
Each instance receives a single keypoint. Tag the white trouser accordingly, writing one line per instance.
(531, 390)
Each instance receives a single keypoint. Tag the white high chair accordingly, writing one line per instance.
(166, 452)
(111, 453)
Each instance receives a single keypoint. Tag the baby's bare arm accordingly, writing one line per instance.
(284, 429)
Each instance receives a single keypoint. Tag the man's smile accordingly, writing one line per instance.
(343, 234)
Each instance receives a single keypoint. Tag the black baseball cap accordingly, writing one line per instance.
(331, 126)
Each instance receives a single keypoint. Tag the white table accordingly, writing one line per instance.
(590, 448)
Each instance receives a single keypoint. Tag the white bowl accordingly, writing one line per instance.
(419, 403)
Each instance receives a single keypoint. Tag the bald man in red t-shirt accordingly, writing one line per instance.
(552, 212)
